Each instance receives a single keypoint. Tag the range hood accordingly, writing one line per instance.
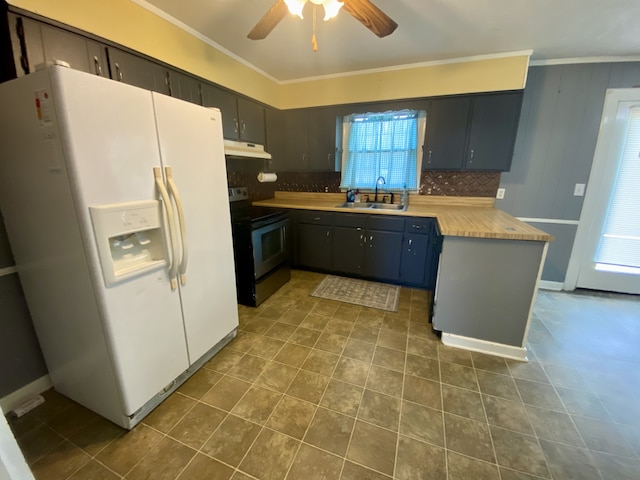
(245, 150)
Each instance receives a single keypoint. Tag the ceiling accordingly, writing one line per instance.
(428, 31)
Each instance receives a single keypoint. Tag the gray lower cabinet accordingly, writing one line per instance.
(383, 247)
(315, 239)
(396, 249)
(420, 253)
(348, 243)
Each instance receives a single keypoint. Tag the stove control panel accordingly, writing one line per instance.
(238, 193)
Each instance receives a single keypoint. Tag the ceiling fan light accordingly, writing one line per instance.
(331, 8)
(295, 6)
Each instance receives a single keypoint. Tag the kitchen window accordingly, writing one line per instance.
(382, 144)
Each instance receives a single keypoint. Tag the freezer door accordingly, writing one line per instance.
(191, 147)
(109, 134)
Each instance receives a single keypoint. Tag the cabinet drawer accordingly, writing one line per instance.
(419, 225)
(354, 220)
(391, 224)
(315, 217)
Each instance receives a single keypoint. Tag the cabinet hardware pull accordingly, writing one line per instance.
(237, 127)
(429, 159)
(96, 63)
(410, 242)
(316, 218)
(243, 126)
(118, 72)
(167, 80)
(471, 154)
(328, 233)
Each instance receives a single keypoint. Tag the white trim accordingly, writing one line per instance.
(597, 187)
(393, 68)
(556, 221)
(482, 346)
(7, 271)
(32, 389)
(572, 60)
(183, 26)
(549, 285)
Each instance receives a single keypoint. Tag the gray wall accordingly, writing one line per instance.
(554, 149)
(21, 360)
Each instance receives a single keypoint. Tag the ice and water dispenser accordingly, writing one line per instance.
(129, 239)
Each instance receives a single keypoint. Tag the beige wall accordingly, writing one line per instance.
(128, 24)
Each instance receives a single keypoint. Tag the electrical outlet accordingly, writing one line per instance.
(578, 191)
(500, 193)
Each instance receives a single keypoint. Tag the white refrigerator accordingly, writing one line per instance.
(115, 202)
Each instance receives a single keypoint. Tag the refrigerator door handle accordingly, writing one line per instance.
(183, 228)
(166, 204)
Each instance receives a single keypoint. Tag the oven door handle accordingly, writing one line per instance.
(168, 210)
(173, 189)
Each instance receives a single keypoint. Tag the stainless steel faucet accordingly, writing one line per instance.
(378, 182)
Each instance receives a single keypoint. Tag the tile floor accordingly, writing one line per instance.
(315, 389)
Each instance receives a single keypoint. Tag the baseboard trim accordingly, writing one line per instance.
(32, 389)
(549, 285)
(483, 346)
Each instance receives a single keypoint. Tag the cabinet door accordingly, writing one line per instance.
(66, 46)
(415, 249)
(213, 96)
(184, 87)
(131, 69)
(251, 118)
(321, 139)
(275, 140)
(348, 250)
(315, 246)
(382, 255)
(26, 43)
(295, 152)
(98, 58)
(494, 123)
(446, 131)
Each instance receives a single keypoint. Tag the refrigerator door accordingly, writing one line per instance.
(191, 147)
(109, 136)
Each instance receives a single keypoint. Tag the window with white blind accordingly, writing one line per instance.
(619, 249)
(383, 145)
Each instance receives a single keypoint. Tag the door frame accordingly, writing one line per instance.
(598, 183)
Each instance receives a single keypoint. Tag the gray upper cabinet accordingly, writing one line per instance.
(492, 132)
(140, 72)
(475, 132)
(242, 119)
(185, 87)
(275, 141)
(444, 146)
(26, 43)
(79, 52)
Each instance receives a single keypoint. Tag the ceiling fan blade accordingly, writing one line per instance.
(370, 16)
(269, 21)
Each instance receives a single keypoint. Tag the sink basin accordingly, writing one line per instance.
(354, 205)
(388, 206)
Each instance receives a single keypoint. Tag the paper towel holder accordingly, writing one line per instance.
(267, 177)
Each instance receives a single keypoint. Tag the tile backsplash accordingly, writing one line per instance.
(436, 183)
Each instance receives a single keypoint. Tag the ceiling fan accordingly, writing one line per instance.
(362, 10)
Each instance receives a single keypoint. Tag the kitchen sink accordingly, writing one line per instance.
(354, 205)
(388, 206)
(372, 206)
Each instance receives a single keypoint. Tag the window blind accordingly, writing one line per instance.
(382, 144)
(620, 240)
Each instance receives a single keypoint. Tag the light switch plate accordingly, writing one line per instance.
(500, 193)
(578, 191)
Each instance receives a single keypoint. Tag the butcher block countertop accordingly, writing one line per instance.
(457, 216)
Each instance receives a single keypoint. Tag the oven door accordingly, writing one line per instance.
(270, 248)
